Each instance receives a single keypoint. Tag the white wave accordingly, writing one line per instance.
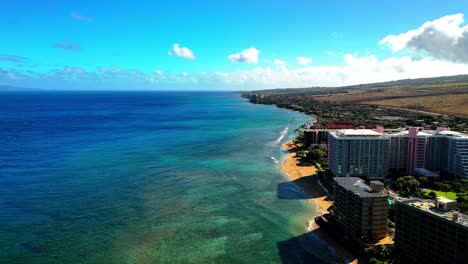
(274, 160)
(310, 227)
(281, 136)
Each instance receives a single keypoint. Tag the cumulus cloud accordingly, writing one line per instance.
(303, 60)
(103, 69)
(159, 72)
(182, 52)
(73, 70)
(279, 62)
(67, 44)
(355, 70)
(116, 69)
(249, 55)
(12, 74)
(12, 58)
(79, 16)
(442, 38)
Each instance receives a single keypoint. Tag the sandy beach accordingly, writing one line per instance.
(301, 172)
(304, 175)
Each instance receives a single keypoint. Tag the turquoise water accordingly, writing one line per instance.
(147, 177)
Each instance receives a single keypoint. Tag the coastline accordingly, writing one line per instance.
(304, 175)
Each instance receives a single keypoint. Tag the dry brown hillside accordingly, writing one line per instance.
(443, 98)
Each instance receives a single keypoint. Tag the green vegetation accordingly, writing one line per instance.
(391, 227)
(317, 156)
(462, 199)
(450, 195)
(407, 186)
(420, 102)
(380, 254)
(452, 188)
(301, 153)
(298, 141)
(319, 167)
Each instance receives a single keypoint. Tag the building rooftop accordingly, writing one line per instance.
(451, 133)
(317, 129)
(446, 200)
(406, 132)
(429, 206)
(356, 133)
(373, 133)
(358, 187)
(446, 133)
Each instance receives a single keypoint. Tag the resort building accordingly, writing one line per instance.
(361, 210)
(372, 153)
(407, 150)
(358, 152)
(448, 152)
(314, 137)
(430, 231)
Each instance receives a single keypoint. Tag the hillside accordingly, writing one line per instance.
(443, 95)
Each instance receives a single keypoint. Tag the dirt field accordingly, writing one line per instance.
(451, 99)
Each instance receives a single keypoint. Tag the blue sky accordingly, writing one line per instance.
(227, 44)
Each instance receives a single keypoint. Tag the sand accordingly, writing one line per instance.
(301, 172)
(305, 176)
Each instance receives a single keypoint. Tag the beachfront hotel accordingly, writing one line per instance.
(448, 152)
(358, 152)
(372, 153)
(361, 210)
(430, 231)
(407, 150)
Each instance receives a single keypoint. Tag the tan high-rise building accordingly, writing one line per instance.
(361, 210)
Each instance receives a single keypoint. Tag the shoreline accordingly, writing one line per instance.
(301, 173)
(304, 175)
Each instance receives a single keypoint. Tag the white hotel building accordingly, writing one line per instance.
(371, 153)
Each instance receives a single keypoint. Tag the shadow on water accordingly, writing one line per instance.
(300, 189)
(308, 247)
(291, 190)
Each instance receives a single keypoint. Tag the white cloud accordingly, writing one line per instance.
(103, 69)
(279, 62)
(442, 38)
(303, 60)
(356, 70)
(249, 55)
(159, 73)
(79, 16)
(73, 70)
(117, 69)
(182, 52)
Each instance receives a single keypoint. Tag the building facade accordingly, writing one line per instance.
(448, 152)
(408, 150)
(358, 152)
(372, 153)
(361, 210)
(430, 232)
(315, 136)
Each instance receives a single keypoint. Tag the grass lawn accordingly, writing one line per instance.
(450, 195)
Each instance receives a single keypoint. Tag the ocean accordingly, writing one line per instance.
(148, 177)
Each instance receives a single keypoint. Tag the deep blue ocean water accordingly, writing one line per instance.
(148, 177)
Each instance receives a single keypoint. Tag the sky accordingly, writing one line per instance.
(228, 45)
